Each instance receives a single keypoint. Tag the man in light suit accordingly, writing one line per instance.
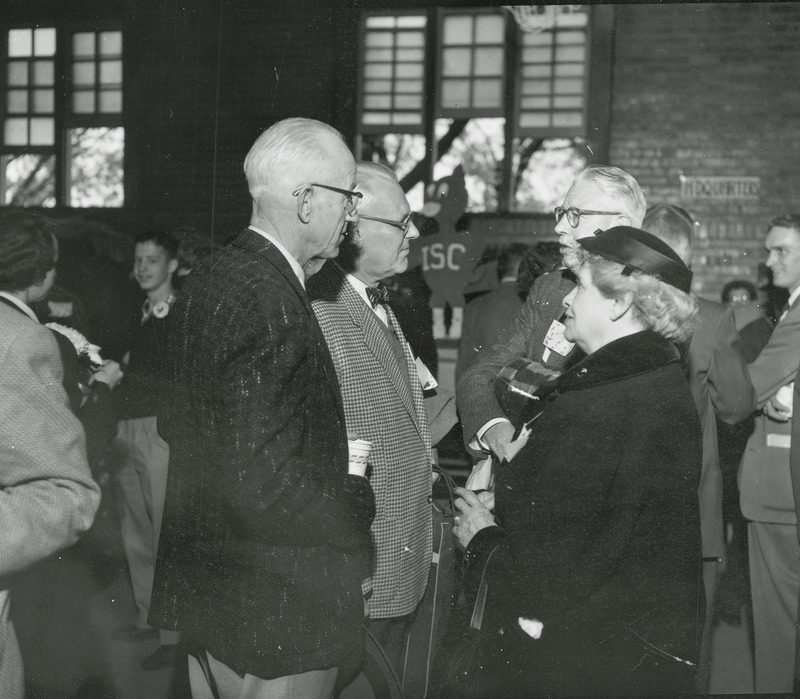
(48, 495)
(765, 481)
(600, 197)
(721, 389)
(265, 535)
(383, 399)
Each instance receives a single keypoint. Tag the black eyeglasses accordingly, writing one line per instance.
(574, 215)
(351, 196)
(403, 225)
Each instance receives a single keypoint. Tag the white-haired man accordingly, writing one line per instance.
(265, 536)
(600, 197)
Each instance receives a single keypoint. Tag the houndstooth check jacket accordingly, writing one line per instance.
(379, 407)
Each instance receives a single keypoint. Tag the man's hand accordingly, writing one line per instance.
(498, 438)
(775, 410)
(472, 518)
(110, 373)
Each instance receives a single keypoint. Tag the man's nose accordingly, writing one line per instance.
(413, 232)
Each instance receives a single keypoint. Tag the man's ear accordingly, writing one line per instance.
(620, 306)
(304, 204)
(173, 265)
(624, 220)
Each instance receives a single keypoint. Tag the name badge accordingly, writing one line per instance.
(425, 376)
(780, 441)
(555, 340)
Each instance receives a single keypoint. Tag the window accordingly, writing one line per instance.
(501, 91)
(63, 139)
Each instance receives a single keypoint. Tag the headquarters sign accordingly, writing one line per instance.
(720, 187)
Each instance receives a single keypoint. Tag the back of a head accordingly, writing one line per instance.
(27, 249)
(286, 147)
(621, 187)
(673, 225)
(509, 259)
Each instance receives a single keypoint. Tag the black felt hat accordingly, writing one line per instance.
(640, 250)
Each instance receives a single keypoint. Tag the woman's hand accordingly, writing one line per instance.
(472, 518)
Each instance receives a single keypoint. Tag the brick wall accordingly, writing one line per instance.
(711, 90)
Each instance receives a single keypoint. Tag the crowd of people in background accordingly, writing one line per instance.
(258, 422)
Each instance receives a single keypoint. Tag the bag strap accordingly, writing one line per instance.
(480, 600)
(447, 479)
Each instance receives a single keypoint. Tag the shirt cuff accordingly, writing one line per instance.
(477, 442)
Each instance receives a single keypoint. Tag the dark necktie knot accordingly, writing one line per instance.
(378, 294)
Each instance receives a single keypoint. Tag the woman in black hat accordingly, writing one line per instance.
(594, 578)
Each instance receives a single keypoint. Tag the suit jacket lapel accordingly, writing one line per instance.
(376, 341)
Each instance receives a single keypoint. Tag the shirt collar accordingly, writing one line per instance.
(24, 307)
(294, 264)
(793, 297)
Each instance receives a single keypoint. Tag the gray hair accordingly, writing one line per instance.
(367, 175)
(672, 224)
(656, 305)
(621, 186)
(281, 148)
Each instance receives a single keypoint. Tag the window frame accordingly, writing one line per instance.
(64, 119)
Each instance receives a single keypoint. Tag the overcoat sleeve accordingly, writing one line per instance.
(776, 365)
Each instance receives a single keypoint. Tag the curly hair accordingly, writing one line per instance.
(27, 249)
(656, 305)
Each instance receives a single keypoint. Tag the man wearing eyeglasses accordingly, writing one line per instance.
(600, 197)
(383, 399)
(265, 536)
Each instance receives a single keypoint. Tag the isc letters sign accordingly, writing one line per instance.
(720, 187)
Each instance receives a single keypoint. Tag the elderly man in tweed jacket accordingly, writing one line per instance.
(383, 398)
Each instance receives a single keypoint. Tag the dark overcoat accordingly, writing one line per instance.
(602, 534)
(265, 538)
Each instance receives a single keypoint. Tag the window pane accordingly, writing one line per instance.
(538, 55)
(412, 21)
(96, 167)
(30, 180)
(570, 53)
(409, 86)
(111, 73)
(457, 29)
(377, 102)
(111, 101)
(571, 38)
(17, 101)
(568, 86)
(378, 70)
(43, 101)
(570, 70)
(417, 55)
(406, 118)
(83, 102)
(489, 29)
(568, 102)
(409, 70)
(568, 119)
(377, 86)
(455, 93)
(110, 43)
(83, 44)
(536, 103)
(20, 42)
(408, 102)
(373, 55)
(535, 87)
(44, 42)
(17, 73)
(43, 72)
(456, 62)
(375, 118)
(380, 39)
(42, 132)
(83, 74)
(535, 120)
(487, 93)
(410, 39)
(16, 132)
(489, 61)
(380, 22)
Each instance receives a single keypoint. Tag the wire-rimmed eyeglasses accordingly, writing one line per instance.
(574, 215)
(403, 225)
(352, 197)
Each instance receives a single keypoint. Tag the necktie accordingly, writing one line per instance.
(379, 294)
